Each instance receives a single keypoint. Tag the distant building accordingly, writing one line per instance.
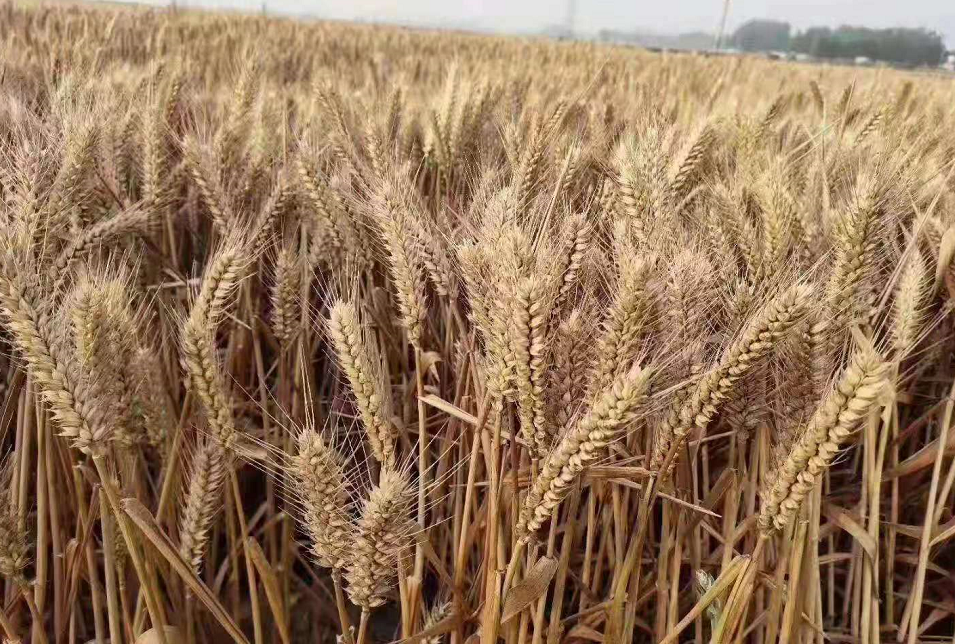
(949, 63)
(560, 32)
(694, 40)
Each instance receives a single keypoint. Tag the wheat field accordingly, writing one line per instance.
(322, 332)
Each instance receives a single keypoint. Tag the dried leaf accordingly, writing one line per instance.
(946, 252)
(273, 591)
(173, 636)
(429, 363)
(584, 632)
(533, 587)
(842, 519)
(151, 530)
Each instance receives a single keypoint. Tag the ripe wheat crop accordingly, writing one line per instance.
(316, 332)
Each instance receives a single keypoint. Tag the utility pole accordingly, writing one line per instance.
(719, 35)
(571, 16)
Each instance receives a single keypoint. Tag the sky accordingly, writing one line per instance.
(659, 16)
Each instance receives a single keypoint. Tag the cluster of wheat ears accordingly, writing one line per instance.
(318, 332)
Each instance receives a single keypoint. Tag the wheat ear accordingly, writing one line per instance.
(839, 415)
(357, 352)
(855, 242)
(575, 238)
(528, 330)
(626, 320)
(327, 241)
(490, 315)
(131, 220)
(105, 333)
(201, 363)
(434, 255)
(206, 478)
(14, 553)
(610, 415)
(29, 320)
(206, 181)
(151, 404)
(907, 309)
(318, 474)
(280, 202)
(686, 169)
(761, 335)
(392, 213)
(286, 295)
(384, 533)
(572, 353)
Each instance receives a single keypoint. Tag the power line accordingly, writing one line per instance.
(571, 16)
(719, 34)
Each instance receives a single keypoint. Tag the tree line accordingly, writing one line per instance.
(898, 45)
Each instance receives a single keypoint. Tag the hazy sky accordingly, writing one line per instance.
(664, 16)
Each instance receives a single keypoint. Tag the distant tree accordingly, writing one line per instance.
(762, 35)
(912, 47)
(816, 41)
